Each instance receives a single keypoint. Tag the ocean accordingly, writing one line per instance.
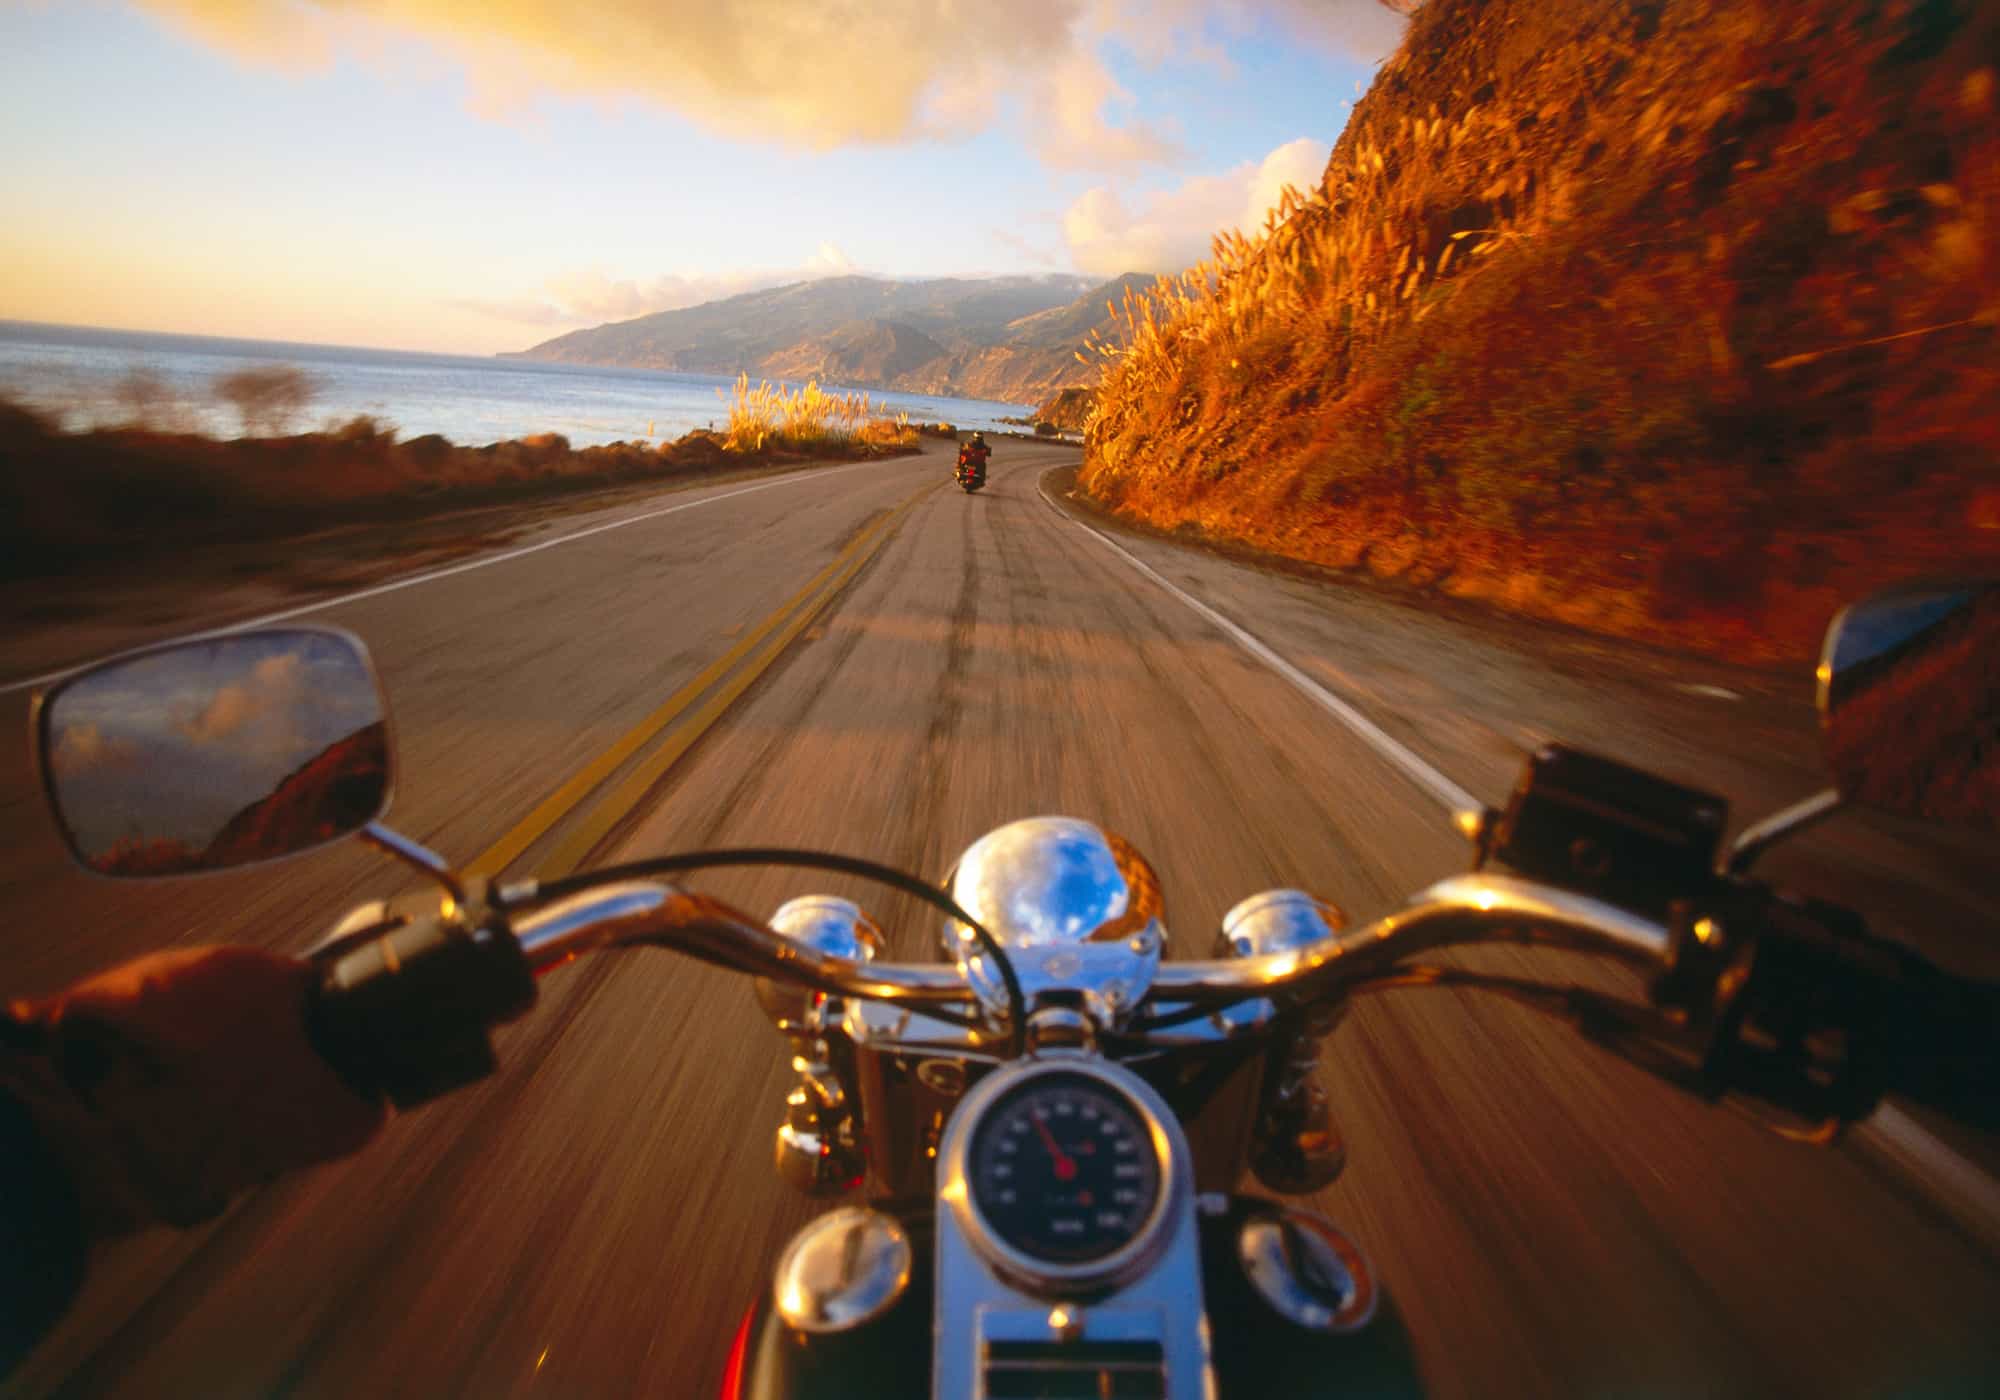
(88, 377)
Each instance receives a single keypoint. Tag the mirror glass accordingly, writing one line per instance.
(216, 753)
(1909, 696)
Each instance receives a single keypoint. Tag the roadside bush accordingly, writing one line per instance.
(267, 398)
(807, 420)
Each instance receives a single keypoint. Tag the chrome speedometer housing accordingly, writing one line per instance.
(1141, 1240)
(1077, 909)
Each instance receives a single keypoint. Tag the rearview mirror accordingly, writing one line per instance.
(1909, 699)
(210, 754)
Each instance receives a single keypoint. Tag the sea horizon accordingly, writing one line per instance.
(91, 376)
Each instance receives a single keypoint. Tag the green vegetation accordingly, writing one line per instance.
(1671, 320)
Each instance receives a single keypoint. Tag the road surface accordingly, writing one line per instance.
(592, 1220)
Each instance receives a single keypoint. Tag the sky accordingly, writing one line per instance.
(479, 175)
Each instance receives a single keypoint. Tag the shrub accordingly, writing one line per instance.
(266, 397)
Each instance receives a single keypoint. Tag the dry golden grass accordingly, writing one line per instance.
(808, 420)
(1676, 320)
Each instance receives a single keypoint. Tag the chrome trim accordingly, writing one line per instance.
(415, 855)
(842, 1270)
(1277, 921)
(1076, 907)
(1759, 837)
(630, 913)
(583, 923)
(833, 926)
(1042, 1277)
(1461, 909)
(977, 1304)
(1267, 1247)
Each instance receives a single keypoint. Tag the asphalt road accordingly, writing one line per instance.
(592, 1220)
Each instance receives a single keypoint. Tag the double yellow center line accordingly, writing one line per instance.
(575, 845)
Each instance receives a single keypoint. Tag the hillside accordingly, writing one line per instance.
(338, 790)
(1677, 321)
(1007, 338)
(862, 352)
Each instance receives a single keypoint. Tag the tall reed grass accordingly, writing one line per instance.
(808, 420)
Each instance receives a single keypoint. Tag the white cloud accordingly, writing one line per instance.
(829, 261)
(1168, 230)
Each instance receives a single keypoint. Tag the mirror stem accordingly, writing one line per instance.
(417, 856)
(1788, 821)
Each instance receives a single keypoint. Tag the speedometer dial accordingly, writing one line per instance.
(1064, 1169)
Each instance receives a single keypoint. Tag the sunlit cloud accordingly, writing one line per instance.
(86, 748)
(791, 72)
(1071, 129)
(772, 69)
(269, 693)
(1168, 230)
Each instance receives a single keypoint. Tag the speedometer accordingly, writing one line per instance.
(1064, 1169)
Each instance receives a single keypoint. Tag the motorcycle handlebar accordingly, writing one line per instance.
(408, 1013)
(636, 913)
(1465, 908)
(1461, 909)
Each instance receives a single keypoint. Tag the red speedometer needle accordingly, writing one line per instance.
(1065, 1166)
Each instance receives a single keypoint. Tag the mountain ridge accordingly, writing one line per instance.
(1010, 338)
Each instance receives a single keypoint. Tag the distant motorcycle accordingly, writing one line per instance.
(971, 472)
(1041, 1133)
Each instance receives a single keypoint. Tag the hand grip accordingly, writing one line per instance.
(406, 1014)
(1804, 1009)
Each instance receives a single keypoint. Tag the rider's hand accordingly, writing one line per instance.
(183, 1078)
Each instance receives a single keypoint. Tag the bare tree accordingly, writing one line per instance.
(140, 395)
(266, 397)
(145, 399)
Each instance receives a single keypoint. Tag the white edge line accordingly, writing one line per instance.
(1450, 794)
(1964, 1187)
(486, 561)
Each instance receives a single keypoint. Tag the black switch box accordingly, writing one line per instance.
(1614, 832)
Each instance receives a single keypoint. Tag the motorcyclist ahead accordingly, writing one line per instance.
(972, 455)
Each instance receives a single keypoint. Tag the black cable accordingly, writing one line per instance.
(1554, 1000)
(1017, 1002)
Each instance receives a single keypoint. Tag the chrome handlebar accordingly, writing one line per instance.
(1462, 909)
(638, 913)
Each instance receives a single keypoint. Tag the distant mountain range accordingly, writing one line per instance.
(1007, 338)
